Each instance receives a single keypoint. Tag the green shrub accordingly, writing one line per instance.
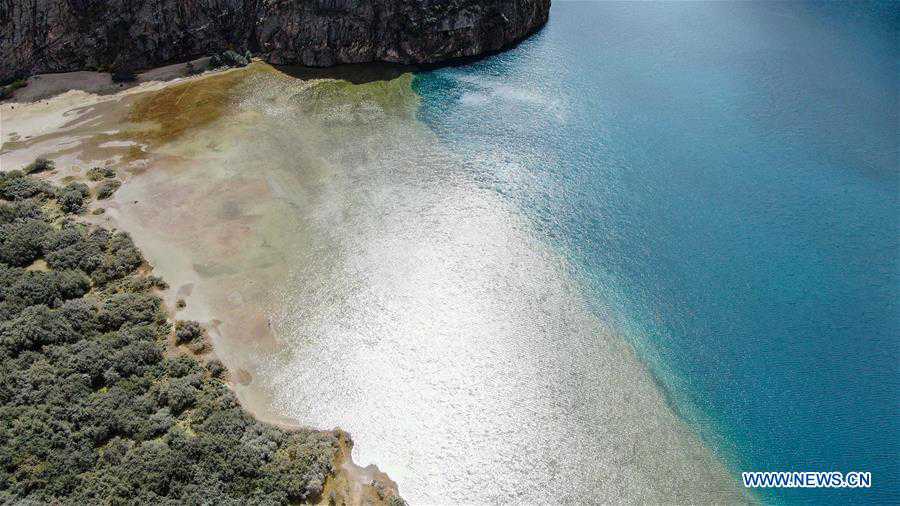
(27, 209)
(33, 327)
(182, 366)
(106, 189)
(87, 357)
(121, 258)
(191, 70)
(100, 173)
(15, 185)
(216, 368)
(139, 284)
(50, 288)
(81, 315)
(71, 197)
(179, 394)
(8, 90)
(187, 331)
(229, 59)
(85, 255)
(136, 358)
(128, 309)
(299, 483)
(396, 501)
(21, 241)
(69, 234)
(39, 165)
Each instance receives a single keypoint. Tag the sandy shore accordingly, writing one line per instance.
(269, 205)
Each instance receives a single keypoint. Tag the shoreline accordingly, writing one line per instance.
(161, 172)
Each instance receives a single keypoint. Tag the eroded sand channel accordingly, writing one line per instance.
(354, 276)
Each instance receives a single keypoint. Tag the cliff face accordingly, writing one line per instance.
(39, 36)
(325, 32)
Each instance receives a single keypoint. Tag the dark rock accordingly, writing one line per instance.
(39, 36)
(123, 76)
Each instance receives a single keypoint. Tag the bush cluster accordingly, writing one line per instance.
(100, 173)
(229, 59)
(106, 189)
(92, 411)
(187, 332)
(191, 69)
(7, 90)
(39, 165)
(15, 187)
(72, 196)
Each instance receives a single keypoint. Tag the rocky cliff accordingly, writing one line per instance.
(38, 36)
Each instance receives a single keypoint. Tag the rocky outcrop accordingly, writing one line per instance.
(39, 36)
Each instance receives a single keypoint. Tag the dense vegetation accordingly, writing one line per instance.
(94, 407)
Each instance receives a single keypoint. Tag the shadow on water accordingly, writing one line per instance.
(364, 73)
(354, 73)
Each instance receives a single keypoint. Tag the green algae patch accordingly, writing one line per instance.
(393, 97)
(166, 115)
(175, 110)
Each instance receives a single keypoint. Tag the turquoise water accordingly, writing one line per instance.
(725, 176)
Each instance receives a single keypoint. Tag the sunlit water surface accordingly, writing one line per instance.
(426, 316)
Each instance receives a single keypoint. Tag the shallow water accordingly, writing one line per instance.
(435, 327)
(422, 313)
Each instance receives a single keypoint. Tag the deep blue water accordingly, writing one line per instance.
(724, 177)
